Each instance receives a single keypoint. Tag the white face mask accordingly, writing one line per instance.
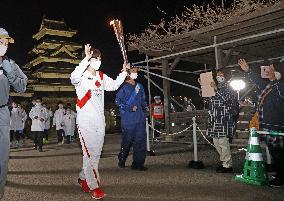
(133, 76)
(68, 112)
(95, 64)
(220, 79)
(3, 50)
(38, 104)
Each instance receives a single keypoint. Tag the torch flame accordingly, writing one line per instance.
(111, 22)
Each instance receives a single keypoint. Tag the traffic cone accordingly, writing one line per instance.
(254, 169)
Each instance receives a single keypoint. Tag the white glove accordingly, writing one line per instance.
(7, 66)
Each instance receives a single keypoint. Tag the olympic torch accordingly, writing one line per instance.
(118, 30)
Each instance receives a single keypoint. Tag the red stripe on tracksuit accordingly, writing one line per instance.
(88, 154)
(88, 95)
(84, 100)
(101, 75)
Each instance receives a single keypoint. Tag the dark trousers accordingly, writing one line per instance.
(133, 135)
(14, 134)
(68, 139)
(46, 131)
(277, 154)
(158, 125)
(60, 134)
(38, 139)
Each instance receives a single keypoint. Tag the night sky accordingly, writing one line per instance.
(22, 19)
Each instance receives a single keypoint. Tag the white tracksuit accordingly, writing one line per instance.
(69, 121)
(58, 118)
(90, 116)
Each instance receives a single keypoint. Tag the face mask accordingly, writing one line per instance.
(220, 79)
(68, 112)
(38, 104)
(95, 64)
(3, 50)
(14, 106)
(133, 76)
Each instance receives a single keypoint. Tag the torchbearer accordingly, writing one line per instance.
(90, 85)
(10, 75)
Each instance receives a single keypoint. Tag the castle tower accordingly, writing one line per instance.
(54, 58)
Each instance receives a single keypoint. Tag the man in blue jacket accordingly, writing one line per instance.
(131, 101)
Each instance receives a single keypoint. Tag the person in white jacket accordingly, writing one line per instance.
(15, 124)
(68, 105)
(38, 115)
(24, 117)
(69, 121)
(57, 123)
(90, 85)
(47, 123)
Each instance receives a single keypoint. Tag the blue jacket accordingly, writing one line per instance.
(126, 113)
(273, 105)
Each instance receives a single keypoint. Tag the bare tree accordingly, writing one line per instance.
(190, 19)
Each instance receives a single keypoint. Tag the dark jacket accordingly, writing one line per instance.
(273, 105)
(126, 113)
(223, 112)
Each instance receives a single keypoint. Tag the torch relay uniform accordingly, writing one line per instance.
(90, 116)
(10, 75)
(133, 123)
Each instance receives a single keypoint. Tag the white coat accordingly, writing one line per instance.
(16, 123)
(90, 116)
(47, 122)
(58, 118)
(24, 118)
(40, 112)
(69, 121)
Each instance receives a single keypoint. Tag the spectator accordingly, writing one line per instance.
(270, 112)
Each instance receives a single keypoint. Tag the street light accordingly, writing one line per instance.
(238, 85)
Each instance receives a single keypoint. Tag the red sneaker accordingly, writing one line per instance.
(98, 194)
(84, 185)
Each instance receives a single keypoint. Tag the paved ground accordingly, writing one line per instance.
(52, 176)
